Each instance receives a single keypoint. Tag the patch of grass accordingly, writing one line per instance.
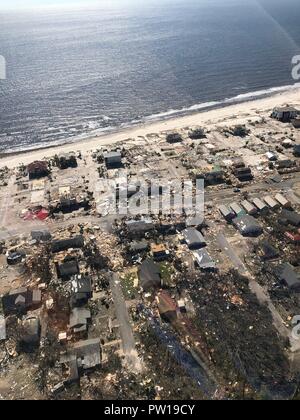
(167, 272)
(128, 282)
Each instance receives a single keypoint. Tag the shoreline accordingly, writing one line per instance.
(230, 112)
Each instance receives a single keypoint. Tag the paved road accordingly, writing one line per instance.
(132, 360)
(229, 251)
(6, 202)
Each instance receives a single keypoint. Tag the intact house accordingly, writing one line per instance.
(63, 245)
(193, 238)
(113, 159)
(285, 114)
(203, 260)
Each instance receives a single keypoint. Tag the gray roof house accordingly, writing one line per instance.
(193, 238)
(79, 319)
(204, 260)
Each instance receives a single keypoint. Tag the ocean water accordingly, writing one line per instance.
(73, 73)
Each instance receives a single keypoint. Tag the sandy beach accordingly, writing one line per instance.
(227, 115)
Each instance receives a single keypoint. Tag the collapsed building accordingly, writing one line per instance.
(38, 169)
(149, 275)
(67, 160)
(20, 301)
(248, 226)
(287, 275)
(83, 356)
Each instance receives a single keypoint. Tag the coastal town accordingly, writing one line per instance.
(99, 304)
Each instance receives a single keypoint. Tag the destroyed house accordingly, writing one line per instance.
(193, 238)
(2, 328)
(137, 247)
(284, 114)
(30, 331)
(67, 160)
(41, 235)
(38, 169)
(81, 290)
(204, 260)
(20, 301)
(296, 122)
(139, 227)
(291, 217)
(197, 134)
(267, 251)
(285, 164)
(65, 244)
(67, 269)
(84, 355)
(287, 275)
(194, 221)
(88, 353)
(79, 319)
(149, 275)
(70, 204)
(159, 252)
(174, 138)
(297, 150)
(248, 226)
(167, 307)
